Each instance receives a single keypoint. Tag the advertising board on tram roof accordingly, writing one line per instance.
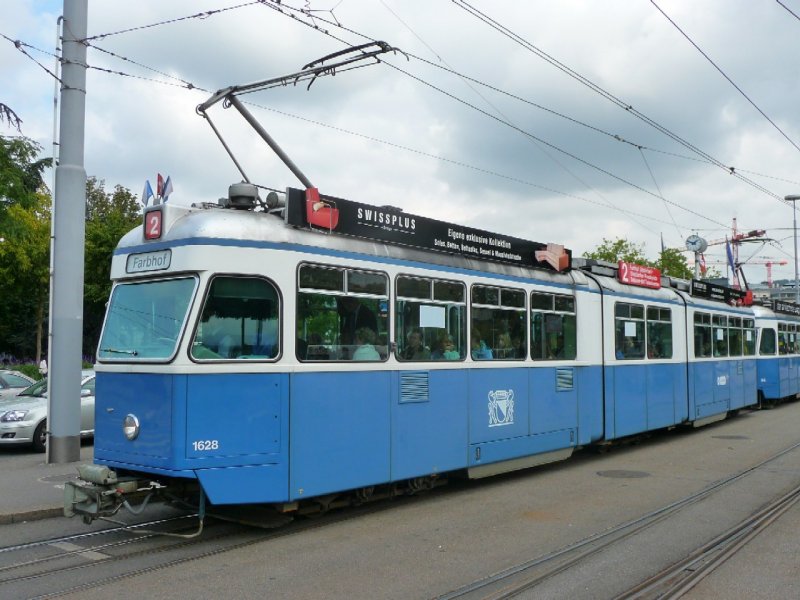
(307, 208)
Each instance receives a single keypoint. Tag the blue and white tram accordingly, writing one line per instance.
(778, 351)
(255, 362)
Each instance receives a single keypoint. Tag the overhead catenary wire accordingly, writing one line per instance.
(182, 83)
(537, 138)
(477, 92)
(725, 75)
(794, 14)
(608, 95)
(201, 15)
(189, 85)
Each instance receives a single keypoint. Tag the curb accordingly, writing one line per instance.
(31, 515)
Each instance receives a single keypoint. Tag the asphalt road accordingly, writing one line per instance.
(428, 546)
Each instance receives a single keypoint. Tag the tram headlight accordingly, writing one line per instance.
(130, 427)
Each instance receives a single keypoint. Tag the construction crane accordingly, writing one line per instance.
(732, 243)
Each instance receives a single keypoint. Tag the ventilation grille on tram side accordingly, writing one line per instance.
(414, 386)
(565, 379)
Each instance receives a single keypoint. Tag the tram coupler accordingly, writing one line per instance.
(99, 492)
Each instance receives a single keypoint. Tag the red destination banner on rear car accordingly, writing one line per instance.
(639, 275)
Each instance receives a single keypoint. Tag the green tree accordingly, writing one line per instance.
(24, 246)
(672, 262)
(109, 216)
(25, 277)
(615, 250)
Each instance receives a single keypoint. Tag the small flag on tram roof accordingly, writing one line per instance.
(147, 192)
(159, 186)
(167, 188)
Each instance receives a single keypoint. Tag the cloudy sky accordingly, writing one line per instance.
(568, 121)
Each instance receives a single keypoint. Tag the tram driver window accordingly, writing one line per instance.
(431, 318)
(239, 321)
(342, 314)
(767, 345)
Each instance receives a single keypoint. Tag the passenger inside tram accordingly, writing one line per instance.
(365, 345)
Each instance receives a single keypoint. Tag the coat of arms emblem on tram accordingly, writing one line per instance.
(501, 407)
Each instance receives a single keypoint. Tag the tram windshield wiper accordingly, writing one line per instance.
(117, 351)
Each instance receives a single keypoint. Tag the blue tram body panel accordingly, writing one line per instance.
(769, 378)
(429, 432)
(743, 383)
(778, 376)
(789, 375)
(157, 400)
(709, 389)
(644, 397)
(239, 413)
(498, 404)
(180, 436)
(721, 385)
(339, 432)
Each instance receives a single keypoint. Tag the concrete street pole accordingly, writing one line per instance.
(66, 301)
(793, 200)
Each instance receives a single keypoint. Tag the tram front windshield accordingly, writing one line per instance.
(144, 320)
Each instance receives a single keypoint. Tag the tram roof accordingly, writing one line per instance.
(206, 223)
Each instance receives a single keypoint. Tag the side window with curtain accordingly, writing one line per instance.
(749, 337)
(498, 328)
(735, 336)
(629, 331)
(430, 319)
(659, 332)
(342, 314)
(553, 327)
(702, 335)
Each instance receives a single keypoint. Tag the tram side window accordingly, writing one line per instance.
(498, 328)
(629, 331)
(430, 319)
(239, 321)
(735, 335)
(553, 327)
(342, 314)
(720, 326)
(749, 334)
(702, 335)
(767, 344)
(659, 332)
(792, 339)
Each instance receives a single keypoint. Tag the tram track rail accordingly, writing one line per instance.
(49, 575)
(679, 578)
(525, 576)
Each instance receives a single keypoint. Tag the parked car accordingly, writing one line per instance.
(23, 418)
(12, 383)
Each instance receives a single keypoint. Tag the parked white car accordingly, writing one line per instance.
(23, 418)
(12, 383)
